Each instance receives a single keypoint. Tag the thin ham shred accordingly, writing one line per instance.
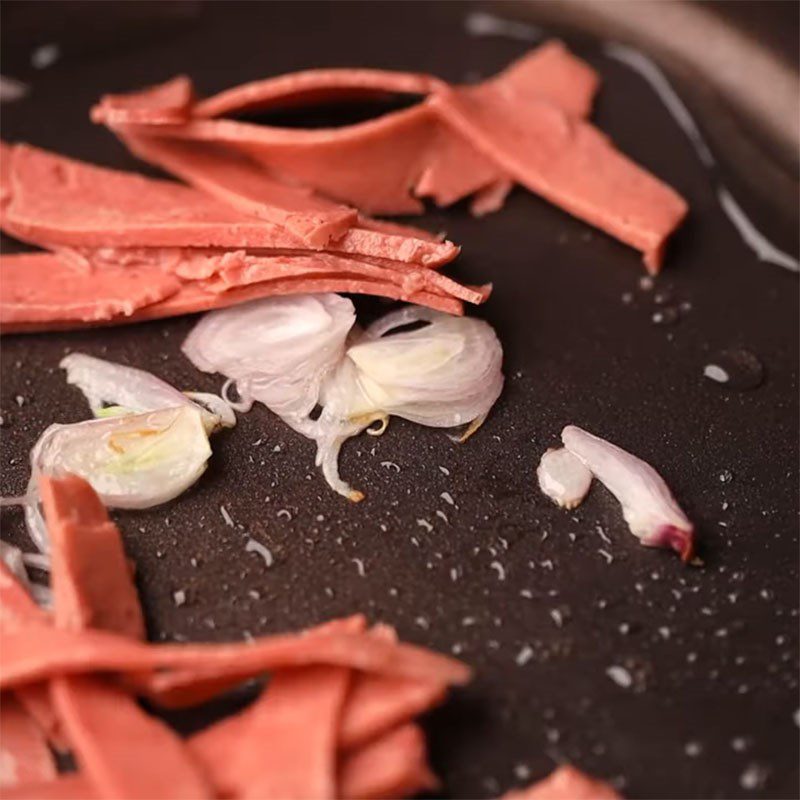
(527, 125)
(336, 719)
(24, 755)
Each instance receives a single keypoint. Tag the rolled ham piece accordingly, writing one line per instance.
(526, 125)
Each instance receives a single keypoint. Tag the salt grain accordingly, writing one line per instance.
(754, 777)
(253, 546)
(179, 597)
(423, 523)
(620, 676)
(448, 498)
(524, 656)
(226, 516)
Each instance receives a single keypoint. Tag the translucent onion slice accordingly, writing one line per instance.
(277, 350)
(133, 461)
(445, 374)
(563, 477)
(131, 390)
(648, 506)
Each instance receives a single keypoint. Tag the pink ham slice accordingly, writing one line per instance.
(125, 753)
(164, 104)
(394, 765)
(37, 288)
(56, 201)
(83, 537)
(377, 703)
(90, 299)
(565, 783)
(63, 787)
(569, 163)
(239, 182)
(377, 165)
(24, 755)
(32, 654)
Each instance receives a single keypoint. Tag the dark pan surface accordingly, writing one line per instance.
(712, 711)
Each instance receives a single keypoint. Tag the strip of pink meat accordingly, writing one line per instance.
(394, 765)
(38, 288)
(236, 180)
(24, 755)
(60, 201)
(378, 165)
(570, 163)
(31, 655)
(111, 736)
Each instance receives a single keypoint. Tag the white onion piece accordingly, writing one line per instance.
(135, 461)
(563, 477)
(132, 390)
(277, 350)
(217, 406)
(648, 506)
(12, 558)
(16, 560)
(443, 375)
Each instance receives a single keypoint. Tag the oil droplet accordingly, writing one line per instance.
(735, 368)
(666, 316)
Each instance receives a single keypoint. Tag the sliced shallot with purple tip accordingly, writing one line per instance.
(648, 506)
(563, 477)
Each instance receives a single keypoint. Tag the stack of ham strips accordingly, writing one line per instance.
(336, 719)
(123, 247)
(526, 125)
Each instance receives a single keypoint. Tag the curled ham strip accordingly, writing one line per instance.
(57, 201)
(526, 124)
(571, 164)
(24, 755)
(111, 736)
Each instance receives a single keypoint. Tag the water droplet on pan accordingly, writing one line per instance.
(735, 368)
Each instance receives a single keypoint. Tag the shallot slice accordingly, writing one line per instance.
(277, 350)
(131, 390)
(563, 477)
(648, 506)
(131, 461)
(445, 374)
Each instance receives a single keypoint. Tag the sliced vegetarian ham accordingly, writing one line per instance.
(526, 124)
(570, 163)
(91, 579)
(289, 743)
(24, 755)
(111, 736)
(394, 765)
(237, 181)
(41, 288)
(57, 201)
